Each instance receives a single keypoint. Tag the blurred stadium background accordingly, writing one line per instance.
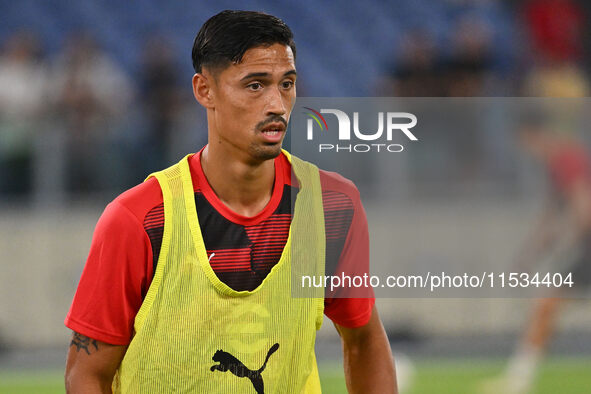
(96, 94)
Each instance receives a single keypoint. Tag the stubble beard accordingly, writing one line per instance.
(264, 152)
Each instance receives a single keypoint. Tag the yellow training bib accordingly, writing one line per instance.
(194, 334)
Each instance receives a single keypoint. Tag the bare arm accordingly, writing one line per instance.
(368, 362)
(542, 236)
(554, 222)
(91, 365)
(579, 205)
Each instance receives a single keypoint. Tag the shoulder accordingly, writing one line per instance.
(139, 200)
(330, 181)
(337, 189)
(340, 197)
(123, 222)
(335, 182)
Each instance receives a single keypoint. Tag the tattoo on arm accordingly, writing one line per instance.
(83, 342)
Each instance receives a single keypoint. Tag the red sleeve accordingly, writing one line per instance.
(114, 280)
(569, 167)
(353, 311)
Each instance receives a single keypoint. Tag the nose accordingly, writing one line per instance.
(275, 102)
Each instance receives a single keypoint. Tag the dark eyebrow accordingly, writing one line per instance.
(254, 75)
(262, 75)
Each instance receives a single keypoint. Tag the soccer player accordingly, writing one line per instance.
(568, 210)
(187, 284)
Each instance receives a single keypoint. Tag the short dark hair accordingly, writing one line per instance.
(225, 37)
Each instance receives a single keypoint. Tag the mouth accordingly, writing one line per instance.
(274, 129)
(273, 132)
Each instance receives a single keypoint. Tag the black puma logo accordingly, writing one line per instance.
(227, 362)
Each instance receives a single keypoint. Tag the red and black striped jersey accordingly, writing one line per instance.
(242, 250)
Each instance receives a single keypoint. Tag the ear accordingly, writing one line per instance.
(202, 89)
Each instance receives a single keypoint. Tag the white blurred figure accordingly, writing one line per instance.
(92, 92)
(22, 102)
(405, 372)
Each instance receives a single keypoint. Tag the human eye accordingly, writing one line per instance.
(287, 84)
(254, 86)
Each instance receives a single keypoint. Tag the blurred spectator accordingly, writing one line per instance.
(22, 98)
(557, 79)
(555, 28)
(469, 69)
(162, 99)
(418, 72)
(555, 31)
(468, 73)
(92, 93)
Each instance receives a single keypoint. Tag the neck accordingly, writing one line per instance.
(244, 187)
